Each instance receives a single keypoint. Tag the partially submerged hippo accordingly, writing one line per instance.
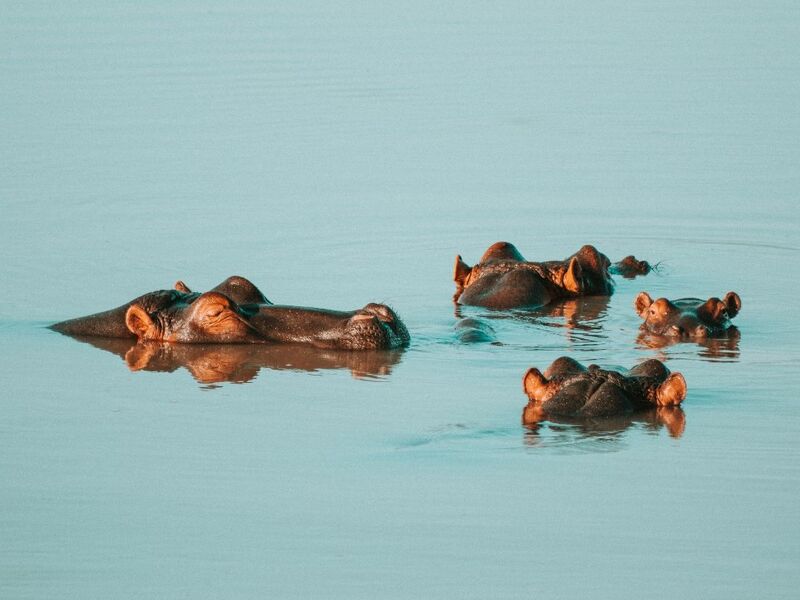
(688, 317)
(504, 279)
(237, 312)
(569, 389)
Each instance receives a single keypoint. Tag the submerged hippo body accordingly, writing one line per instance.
(690, 318)
(504, 279)
(237, 312)
(568, 389)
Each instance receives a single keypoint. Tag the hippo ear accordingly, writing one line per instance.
(182, 287)
(593, 258)
(672, 392)
(534, 384)
(139, 322)
(572, 278)
(733, 303)
(642, 303)
(461, 271)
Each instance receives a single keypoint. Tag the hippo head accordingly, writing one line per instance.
(587, 273)
(569, 388)
(687, 317)
(237, 312)
(208, 318)
(631, 267)
(214, 318)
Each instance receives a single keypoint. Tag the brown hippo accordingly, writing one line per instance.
(688, 317)
(237, 312)
(504, 279)
(569, 389)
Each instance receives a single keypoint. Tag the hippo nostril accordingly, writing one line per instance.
(361, 317)
(383, 312)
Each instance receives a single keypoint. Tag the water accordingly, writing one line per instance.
(343, 153)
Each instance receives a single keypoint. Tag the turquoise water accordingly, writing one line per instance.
(340, 153)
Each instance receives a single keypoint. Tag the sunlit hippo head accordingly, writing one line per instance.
(504, 279)
(237, 312)
(687, 317)
(567, 388)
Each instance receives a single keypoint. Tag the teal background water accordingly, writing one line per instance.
(340, 153)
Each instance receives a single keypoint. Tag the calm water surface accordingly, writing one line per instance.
(343, 153)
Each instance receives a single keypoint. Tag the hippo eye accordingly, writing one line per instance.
(215, 312)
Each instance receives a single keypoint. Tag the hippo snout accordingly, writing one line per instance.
(376, 326)
(381, 311)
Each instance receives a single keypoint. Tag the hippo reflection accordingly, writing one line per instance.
(652, 419)
(236, 311)
(504, 279)
(581, 319)
(722, 347)
(240, 363)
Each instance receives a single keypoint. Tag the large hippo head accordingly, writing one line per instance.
(504, 279)
(687, 317)
(182, 316)
(567, 388)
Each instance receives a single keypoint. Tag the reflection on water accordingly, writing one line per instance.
(586, 314)
(583, 320)
(241, 363)
(547, 430)
(724, 347)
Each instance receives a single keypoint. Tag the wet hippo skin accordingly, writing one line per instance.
(567, 388)
(504, 279)
(236, 311)
(688, 317)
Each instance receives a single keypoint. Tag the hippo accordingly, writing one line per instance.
(569, 389)
(240, 363)
(630, 267)
(688, 318)
(236, 312)
(503, 279)
(474, 331)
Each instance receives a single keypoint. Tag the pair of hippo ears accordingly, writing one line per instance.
(538, 388)
(714, 308)
(209, 311)
(572, 279)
